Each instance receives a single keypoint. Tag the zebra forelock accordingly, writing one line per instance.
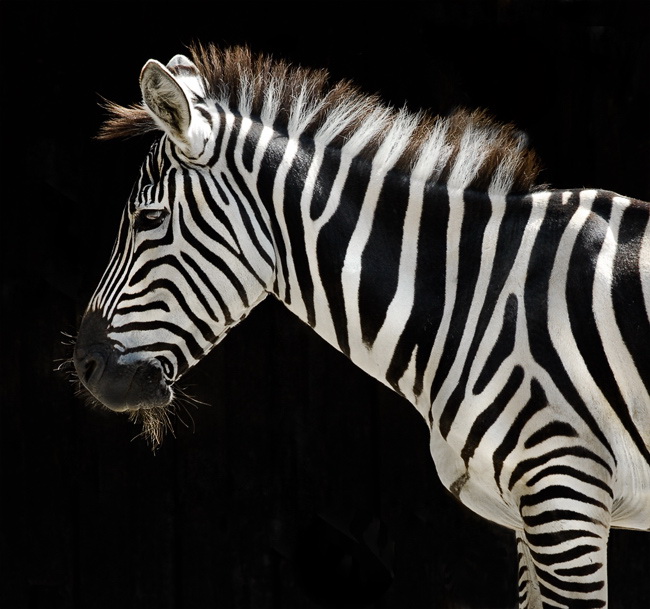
(463, 150)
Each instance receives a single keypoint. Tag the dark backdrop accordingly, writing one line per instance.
(304, 483)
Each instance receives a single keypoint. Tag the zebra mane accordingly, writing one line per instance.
(463, 150)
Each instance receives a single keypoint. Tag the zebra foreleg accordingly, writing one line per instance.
(562, 551)
(528, 587)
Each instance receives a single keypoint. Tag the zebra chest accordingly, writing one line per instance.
(631, 489)
(473, 483)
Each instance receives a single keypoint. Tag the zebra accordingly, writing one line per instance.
(515, 318)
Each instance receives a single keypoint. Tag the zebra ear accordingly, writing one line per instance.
(182, 61)
(166, 100)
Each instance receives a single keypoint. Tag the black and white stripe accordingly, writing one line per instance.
(515, 320)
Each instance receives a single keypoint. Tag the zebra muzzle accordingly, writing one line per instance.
(120, 383)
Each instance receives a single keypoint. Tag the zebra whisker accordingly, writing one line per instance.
(70, 339)
(187, 398)
(156, 422)
(65, 366)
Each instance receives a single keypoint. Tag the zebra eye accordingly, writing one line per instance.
(148, 219)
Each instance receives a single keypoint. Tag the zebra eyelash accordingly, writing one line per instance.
(148, 219)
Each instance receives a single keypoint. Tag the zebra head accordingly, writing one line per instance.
(185, 266)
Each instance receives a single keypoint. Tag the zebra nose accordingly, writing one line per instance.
(91, 351)
(120, 382)
(90, 364)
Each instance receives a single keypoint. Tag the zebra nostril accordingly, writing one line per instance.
(89, 367)
(90, 364)
(167, 369)
(92, 350)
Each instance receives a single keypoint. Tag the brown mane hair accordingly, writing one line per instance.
(234, 74)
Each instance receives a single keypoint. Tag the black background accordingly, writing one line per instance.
(304, 483)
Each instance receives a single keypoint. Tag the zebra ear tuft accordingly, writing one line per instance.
(165, 99)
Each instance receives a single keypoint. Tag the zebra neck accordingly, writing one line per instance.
(367, 257)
